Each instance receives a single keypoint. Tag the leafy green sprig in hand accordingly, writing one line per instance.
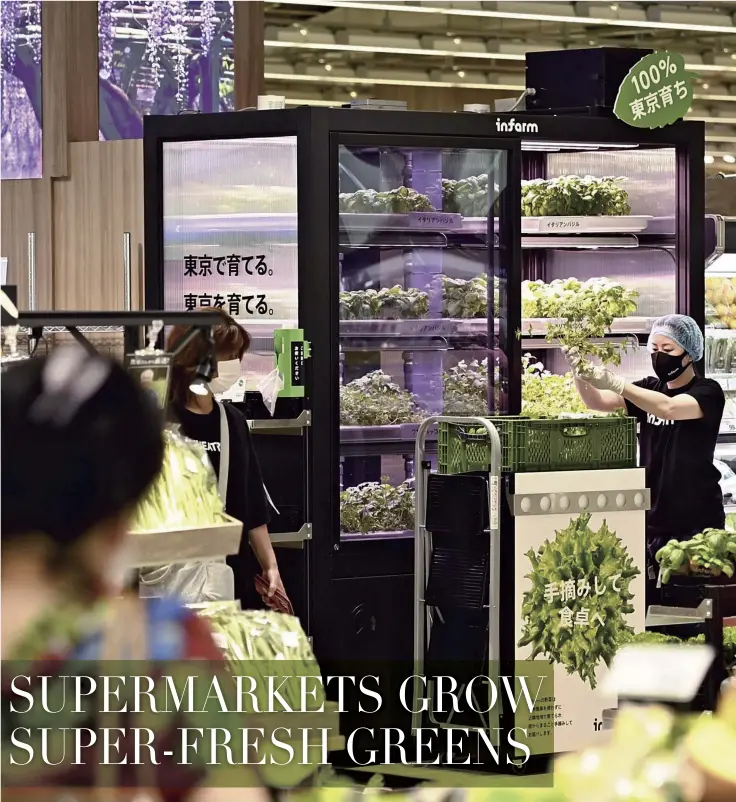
(376, 400)
(377, 507)
(580, 312)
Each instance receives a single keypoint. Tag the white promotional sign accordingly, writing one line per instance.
(579, 579)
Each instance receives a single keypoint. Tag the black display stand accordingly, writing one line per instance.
(359, 596)
(721, 601)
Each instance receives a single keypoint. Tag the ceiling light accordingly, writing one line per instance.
(451, 11)
(328, 67)
(706, 86)
(708, 159)
(419, 51)
(353, 94)
(614, 7)
(457, 40)
(729, 159)
(461, 74)
(303, 31)
(344, 79)
(724, 98)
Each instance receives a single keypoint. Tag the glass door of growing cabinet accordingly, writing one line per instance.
(426, 249)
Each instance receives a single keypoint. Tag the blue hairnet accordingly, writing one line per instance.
(683, 331)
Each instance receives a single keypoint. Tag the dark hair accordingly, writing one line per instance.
(73, 458)
(229, 338)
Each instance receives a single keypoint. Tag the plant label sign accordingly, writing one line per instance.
(657, 91)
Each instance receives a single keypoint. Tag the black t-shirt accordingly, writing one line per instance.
(246, 496)
(678, 457)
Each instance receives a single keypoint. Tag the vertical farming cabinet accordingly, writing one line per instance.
(397, 243)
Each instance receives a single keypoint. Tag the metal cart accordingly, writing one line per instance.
(423, 612)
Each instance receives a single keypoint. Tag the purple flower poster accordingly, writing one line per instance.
(21, 91)
(163, 57)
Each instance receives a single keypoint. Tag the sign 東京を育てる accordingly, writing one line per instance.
(657, 91)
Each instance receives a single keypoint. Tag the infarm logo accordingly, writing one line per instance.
(514, 126)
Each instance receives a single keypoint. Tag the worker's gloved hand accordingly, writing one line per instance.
(598, 377)
(604, 379)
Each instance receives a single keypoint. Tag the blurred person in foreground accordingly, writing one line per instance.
(80, 446)
(679, 416)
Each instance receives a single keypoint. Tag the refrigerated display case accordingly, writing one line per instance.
(720, 341)
(396, 241)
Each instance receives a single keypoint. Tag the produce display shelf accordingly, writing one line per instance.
(412, 221)
(175, 546)
(537, 327)
(713, 605)
(362, 536)
(272, 425)
(401, 432)
(726, 380)
(259, 222)
(601, 224)
(468, 327)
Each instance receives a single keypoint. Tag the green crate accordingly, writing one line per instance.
(550, 444)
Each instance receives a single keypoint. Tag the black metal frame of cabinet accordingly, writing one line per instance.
(318, 130)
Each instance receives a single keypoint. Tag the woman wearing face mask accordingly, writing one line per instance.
(81, 443)
(233, 457)
(679, 415)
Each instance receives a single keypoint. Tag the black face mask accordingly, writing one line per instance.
(667, 366)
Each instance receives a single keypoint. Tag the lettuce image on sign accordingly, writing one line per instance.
(657, 91)
(575, 611)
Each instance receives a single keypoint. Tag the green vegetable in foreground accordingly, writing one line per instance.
(575, 612)
(185, 494)
(712, 552)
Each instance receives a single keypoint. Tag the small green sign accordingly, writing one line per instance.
(658, 91)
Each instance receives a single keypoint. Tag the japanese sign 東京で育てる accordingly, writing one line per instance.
(657, 91)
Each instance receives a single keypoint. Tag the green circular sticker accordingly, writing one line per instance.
(657, 91)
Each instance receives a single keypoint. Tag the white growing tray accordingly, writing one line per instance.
(171, 546)
(603, 224)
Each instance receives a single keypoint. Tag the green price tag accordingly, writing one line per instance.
(658, 91)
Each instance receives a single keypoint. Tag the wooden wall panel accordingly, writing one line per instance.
(26, 208)
(82, 69)
(249, 24)
(92, 210)
(425, 98)
(55, 35)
